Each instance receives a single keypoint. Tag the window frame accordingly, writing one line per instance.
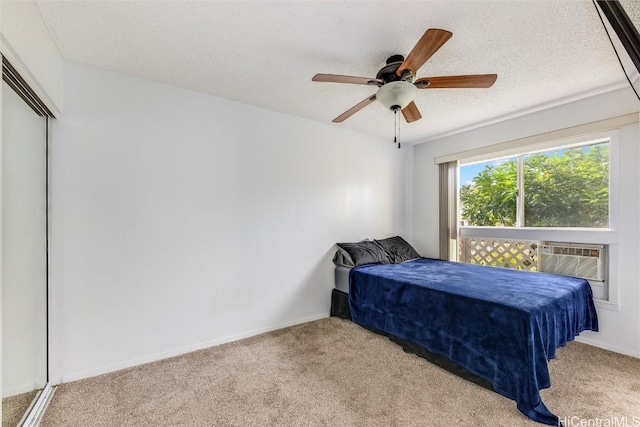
(613, 136)
(607, 236)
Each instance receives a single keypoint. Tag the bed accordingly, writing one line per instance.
(501, 325)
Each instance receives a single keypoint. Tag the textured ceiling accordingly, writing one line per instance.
(264, 53)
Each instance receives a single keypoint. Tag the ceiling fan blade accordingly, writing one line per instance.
(411, 112)
(429, 43)
(351, 111)
(446, 82)
(335, 78)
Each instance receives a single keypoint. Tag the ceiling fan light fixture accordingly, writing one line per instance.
(396, 95)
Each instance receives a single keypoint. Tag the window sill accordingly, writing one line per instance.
(576, 235)
(530, 229)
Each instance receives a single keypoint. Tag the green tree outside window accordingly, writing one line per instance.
(562, 188)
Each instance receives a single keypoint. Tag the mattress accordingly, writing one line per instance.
(342, 278)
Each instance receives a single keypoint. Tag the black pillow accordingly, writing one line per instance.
(397, 249)
(365, 253)
(342, 259)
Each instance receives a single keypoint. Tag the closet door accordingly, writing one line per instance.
(24, 256)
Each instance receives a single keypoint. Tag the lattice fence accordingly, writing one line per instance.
(519, 254)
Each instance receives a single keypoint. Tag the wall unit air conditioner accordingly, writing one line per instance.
(579, 260)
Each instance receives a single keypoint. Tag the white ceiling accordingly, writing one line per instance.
(264, 53)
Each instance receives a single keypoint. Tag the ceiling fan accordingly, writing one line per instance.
(396, 82)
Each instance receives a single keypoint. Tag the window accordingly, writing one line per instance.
(554, 196)
(560, 187)
(550, 203)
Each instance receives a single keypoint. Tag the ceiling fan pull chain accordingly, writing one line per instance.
(395, 126)
(398, 124)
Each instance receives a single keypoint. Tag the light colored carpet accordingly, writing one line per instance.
(14, 407)
(332, 372)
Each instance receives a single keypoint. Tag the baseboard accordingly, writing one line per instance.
(609, 347)
(182, 350)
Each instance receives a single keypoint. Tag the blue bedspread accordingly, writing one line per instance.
(503, 325)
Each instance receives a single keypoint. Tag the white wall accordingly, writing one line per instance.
(181, 220)
(26, 43)
(619, 330)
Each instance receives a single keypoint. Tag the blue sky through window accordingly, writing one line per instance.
(468, 172)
